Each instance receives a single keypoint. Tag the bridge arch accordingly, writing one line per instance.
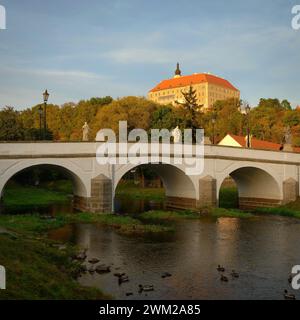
(80, 186)
(257, 186)
(181, 190)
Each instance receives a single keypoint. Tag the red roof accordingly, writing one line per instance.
(296, 149)
(257, 144)
(193, 79)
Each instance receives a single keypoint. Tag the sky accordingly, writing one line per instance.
(83, 49)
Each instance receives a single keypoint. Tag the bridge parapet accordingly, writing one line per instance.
(266, 178)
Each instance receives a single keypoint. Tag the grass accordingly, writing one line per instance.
(230, 213)
(35, 224)
(27, 196)
(289, 210)
(177, 215)
(31, 223)
(122, 223)
(229, 197)
(63, 186)
(157, 215)
(130, 190)
(36, 270)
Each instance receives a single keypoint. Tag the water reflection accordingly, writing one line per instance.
(50, 209)
(129, 205)
(262, 250)
(122, 205)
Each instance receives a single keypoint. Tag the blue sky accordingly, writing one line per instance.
(80, 49)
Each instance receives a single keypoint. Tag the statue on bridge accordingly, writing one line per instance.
(287, 143)
(85, 132)
(287, 135)
(176, 134)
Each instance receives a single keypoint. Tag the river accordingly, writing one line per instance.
(261, 249)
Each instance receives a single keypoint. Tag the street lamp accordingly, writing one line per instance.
(46, 97)
(213, 121)
(248, 109)
(246, 112)
(40, 111)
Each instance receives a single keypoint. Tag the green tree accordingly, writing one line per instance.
(166, 117)
(286, 105)
(11, 127)
(191, 109)
(135, 110)
(228, 119)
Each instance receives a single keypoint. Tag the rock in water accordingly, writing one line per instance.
(166, 275)
(102, 269)
(94, 260)
(92, 269)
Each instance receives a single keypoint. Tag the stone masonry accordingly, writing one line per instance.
(101, 197)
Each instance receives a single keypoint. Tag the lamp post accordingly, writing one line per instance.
(46, 97)
(247, 109)
(246, 112)
(40, 111)
(213, 121)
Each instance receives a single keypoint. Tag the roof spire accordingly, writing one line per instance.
(177, 71)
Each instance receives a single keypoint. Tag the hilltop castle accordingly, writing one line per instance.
(209, 88)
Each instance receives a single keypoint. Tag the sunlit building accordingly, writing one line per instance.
(232, 140)
(209, 88)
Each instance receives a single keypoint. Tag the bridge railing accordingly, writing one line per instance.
(88, 149)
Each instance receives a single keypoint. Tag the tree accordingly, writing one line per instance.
(266, 120)
(228, 119)
(10, 125)
(192, 114)
(270, 104)
(286, 105)
(136, 111)
(166, 117)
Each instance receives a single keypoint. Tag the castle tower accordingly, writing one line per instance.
(177, 71)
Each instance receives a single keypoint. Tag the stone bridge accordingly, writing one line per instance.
(263, 178)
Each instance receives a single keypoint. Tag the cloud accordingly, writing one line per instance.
(75, 74)
(137, 55)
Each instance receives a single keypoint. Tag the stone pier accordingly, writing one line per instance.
(101, 197)
(290, 191)
(207, 192)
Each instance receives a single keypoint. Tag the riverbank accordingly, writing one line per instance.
(37, 224)
(36, 268)
(160, 215)
(289, 210)
(60, 191)
(17, 195)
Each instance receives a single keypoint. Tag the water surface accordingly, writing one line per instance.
(261, 249)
